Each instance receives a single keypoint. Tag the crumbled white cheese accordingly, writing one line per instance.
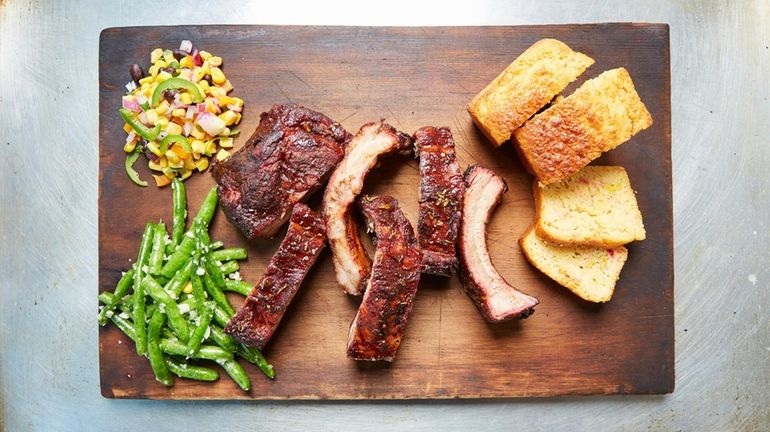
(110, 314)
(235, 276)
(184, 308)
(200, 271)
(123, 315)
(189, 234)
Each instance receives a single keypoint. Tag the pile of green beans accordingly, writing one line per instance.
(176, 290)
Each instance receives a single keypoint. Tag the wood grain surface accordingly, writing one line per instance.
(412, 77)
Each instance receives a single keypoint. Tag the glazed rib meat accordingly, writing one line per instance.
(352, 264)
(441, 196)
(495, 298)
(379, 325)
(263, 309)
(290, 155)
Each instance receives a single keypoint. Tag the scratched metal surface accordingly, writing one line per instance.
(48, 255)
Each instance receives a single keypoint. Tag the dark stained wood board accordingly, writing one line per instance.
(412, 77)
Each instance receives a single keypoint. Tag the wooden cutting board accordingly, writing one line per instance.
(412, 77)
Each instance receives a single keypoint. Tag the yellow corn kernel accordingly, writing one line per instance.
(185, 98)
(202, 164)
(211, 106)
(154, 147)
(206, 68)
(162, 76)
(186, 62)
(228, 86)
(205, 55)
(168, 56)
(153, 71)
(146, 80)
(225, 132)
(163, 162)
(170, 174)
(215, 61)
(162, 108)
(163, 122)
(237, 118)
(217, 92)
(148, 91)
(189, 164)
(197, 133)
(198, 74)
(226, 142)
(179, 112)
(160, 64)
(217, 75)
(211, 148)
(187, 288)
(225, 100)
(228, 117)
(161, 180)
(129, 147)
(173, 129)
(173, 158)
(198, 146)
(237, 102)
(186, 174)
(203, 86)
(152, 117)
(155, 166)
(156, 54)
(222, 154)
(127, 128)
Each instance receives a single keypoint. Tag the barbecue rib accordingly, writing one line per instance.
(351, 262)
(379, 325)
(263, 309)
(441, 199)
(292, 152)
(496, 299)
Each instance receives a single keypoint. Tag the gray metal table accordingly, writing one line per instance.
(48, 190)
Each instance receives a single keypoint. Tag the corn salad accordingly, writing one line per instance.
(180, 114)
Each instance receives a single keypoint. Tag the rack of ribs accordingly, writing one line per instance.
(257, 320)
(352, 264)
(379, 325)
(441, 199)
(495, 298)
(289, 156)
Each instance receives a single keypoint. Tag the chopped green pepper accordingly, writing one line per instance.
(170, 140)
(132, 174)
(143, 131)
(176, 83)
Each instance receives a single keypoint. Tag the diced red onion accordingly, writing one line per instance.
(187, 128)
(190, 112)
(201, 108)
(212, 124)
(197, 60)
(185, 46)
(141, 99)
(131, 85)
(235, 108)
(152, 156)
(131, 137)
(131, 104)
(143, 117)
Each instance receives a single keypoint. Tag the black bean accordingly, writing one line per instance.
(169, 95)
(179, 54)
(136, 72)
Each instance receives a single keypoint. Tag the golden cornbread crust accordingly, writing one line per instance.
(589, 272)
(595, 207)
(524, 87)
(603, 113)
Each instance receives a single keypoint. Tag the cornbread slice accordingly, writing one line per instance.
(602, 114)
(526, 85)
(589, 272)
(595, 207)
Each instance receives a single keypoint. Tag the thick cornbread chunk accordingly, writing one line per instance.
(602, 114)
(595, 207)
(525, 86)
(589, 272)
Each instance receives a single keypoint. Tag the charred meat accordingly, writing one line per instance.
(263, 309)
(379, 325)
(352, 264)
(441, 198)
(289, 156)
(495, 298)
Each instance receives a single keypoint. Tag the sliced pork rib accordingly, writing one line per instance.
(495, 298)
(351, 262)
(290, 155)
(441, 198)
(379, 325)
(263, 309)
